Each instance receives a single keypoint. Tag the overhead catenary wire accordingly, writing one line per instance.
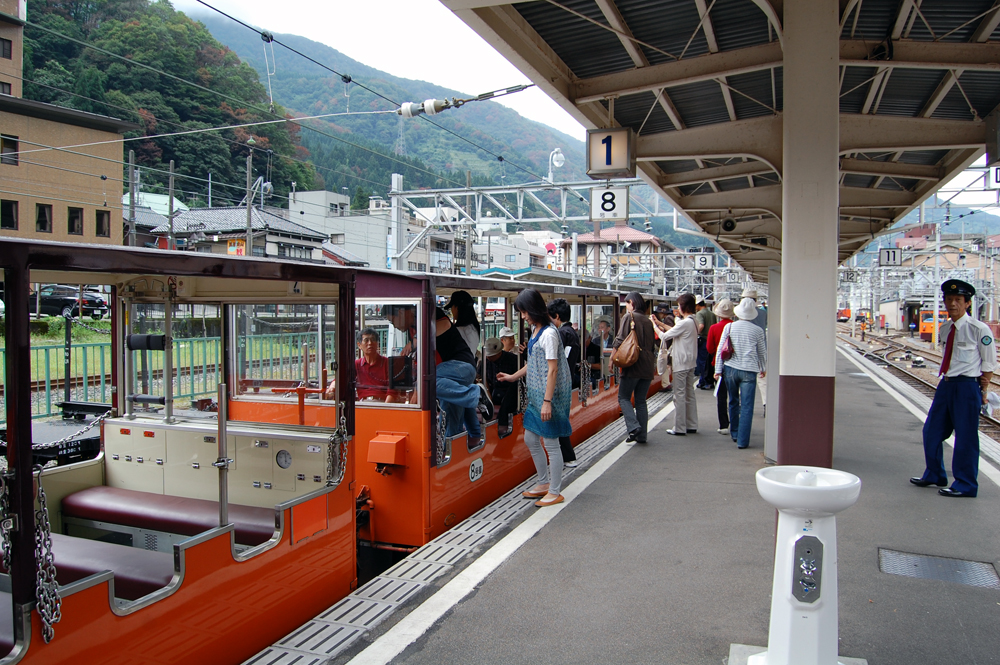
(234, 99)
(346, 77)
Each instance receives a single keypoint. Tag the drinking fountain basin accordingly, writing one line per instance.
(808, 490)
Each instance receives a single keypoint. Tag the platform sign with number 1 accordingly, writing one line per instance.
(608, 203)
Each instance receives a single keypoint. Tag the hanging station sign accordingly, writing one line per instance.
(611, 153)
(608, 204)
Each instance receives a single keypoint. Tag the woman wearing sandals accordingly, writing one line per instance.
(546, 417)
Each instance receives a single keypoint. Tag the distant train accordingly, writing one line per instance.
(927, 322)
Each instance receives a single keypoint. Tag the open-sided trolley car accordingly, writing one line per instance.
(245, 457)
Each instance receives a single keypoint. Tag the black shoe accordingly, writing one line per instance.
(948, 491)
(692, 431)
(920, 482)
(633, 434)
(485, 404)
(674, 432)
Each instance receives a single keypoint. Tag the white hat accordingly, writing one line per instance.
(506, 332)
(747, 309)
(724, 308)
(749, 293)
(699, 300)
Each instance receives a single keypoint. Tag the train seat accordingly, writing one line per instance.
(137, 572)
(169, 514)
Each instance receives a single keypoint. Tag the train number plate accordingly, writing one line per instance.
(476, 470)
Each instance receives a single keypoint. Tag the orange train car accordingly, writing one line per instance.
(927, 322)
(205, 529)
(412, 482)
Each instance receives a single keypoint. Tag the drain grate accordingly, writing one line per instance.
(921, 566)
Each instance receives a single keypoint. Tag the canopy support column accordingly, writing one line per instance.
(809, 232)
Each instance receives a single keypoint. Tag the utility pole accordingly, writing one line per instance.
(131, 198)
(249, 248)
(209, 189)
(472, 228)
(398, 226)
(172, 242)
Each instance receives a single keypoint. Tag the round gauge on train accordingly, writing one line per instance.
(284, 459)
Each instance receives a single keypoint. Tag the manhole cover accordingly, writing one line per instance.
(973, 573)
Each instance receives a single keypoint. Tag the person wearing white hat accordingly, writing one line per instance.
(761, 322)
(506, 336)
(723, 310)
(748, 359)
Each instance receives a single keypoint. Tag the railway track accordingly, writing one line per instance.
(987, 424)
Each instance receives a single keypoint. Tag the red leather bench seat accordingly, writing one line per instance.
(169, 514)
(137, 572)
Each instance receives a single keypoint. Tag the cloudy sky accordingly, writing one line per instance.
(415, 39)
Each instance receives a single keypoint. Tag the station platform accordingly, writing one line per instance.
(663, 553)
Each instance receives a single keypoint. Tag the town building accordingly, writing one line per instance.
(224, 231)
(47, 193)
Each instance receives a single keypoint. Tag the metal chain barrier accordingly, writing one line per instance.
(618, 375)
(440, 436)
(585, 389)
(66, 439)
(336, 453)
(522, 393)
(78, 322)
(47, 589)
(8, 522)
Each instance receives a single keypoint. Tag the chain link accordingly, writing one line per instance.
(440, 436)
(66, 439)
(47, 589)
(336, 453)
(585, 388)
(5, 515)
(522, 392)
(78, 322)
(618, 375)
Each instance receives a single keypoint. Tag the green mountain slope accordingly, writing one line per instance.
(311, 90)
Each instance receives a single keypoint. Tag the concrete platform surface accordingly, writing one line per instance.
(667, 557)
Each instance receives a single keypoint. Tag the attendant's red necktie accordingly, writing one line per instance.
(946, 363)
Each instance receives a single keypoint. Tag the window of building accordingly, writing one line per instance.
(6, 49)
(8, 150)
(258, 251)
(8, 215)
(43, 218)
(510, 258)
(422, 267)
(74, 218)
(338, 238)
(440, 246)
(4, 88)
(411, 266)
(103, 224)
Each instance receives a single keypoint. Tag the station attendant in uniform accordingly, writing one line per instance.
(966, 368)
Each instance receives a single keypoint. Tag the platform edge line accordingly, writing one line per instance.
(411, 627)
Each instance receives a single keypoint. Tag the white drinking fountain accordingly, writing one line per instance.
(804, 628)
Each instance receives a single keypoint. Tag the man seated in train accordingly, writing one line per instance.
(372, 370)
(502, 393)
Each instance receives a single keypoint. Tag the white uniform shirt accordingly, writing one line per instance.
(973, 351)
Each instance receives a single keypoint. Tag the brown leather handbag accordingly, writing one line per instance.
(628, 352)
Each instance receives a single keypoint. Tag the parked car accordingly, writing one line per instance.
(65, 300)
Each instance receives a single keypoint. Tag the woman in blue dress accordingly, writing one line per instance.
(546, 417)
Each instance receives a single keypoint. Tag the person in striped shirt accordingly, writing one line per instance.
(740, 371)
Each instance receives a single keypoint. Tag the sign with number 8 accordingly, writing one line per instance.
(608, 203)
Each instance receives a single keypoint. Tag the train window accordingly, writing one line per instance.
(280, 350)
(386, 361)
(196, 359)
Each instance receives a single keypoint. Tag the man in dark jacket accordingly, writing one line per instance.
(503, 393)
(560, 313)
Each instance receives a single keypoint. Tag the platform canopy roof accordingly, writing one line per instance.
(700, 81)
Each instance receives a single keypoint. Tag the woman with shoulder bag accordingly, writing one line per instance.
(636, 378)
(724, 311)
(745, 341)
